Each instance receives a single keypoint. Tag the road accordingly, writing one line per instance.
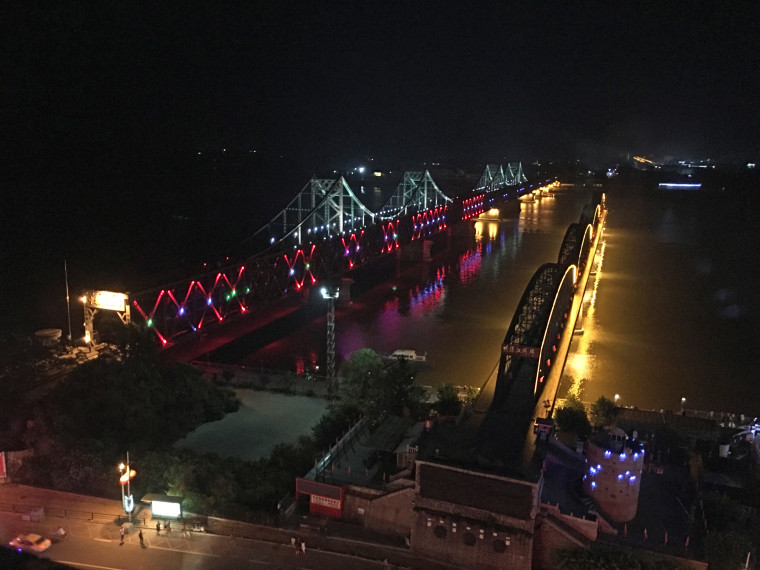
(97, 546)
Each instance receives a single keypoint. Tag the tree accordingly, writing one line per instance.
(603, 412)
(448, 403)
(572, 417)
(375, 387)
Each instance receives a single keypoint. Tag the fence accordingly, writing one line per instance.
(264, 379)
(38, 513)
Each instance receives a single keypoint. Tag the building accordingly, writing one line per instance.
(613, 473)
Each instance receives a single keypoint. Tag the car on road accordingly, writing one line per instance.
(30, 543)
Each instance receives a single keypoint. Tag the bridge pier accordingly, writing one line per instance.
(344, 292)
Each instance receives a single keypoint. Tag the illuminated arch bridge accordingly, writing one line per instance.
(531, 342)
(324, 231)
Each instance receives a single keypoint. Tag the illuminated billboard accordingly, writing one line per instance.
(108, 300)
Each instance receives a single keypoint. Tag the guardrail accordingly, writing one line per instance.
(38, 512)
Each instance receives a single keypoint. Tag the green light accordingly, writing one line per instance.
(247, 289)
(234, 292)
(307, 266)
(227, 296)
(150, 322)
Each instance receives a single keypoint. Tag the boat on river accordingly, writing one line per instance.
(408, 356)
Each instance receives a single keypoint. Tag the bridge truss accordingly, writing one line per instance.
(531, 341)
(323, 208)
(496, 176)
(323, 232)
(417, 192)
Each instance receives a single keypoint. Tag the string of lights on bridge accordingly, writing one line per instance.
(237, 289)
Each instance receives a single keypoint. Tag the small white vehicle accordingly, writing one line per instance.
(30, 543)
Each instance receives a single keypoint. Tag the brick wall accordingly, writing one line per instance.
(391, 512)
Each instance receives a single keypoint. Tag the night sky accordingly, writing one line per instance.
(104, 104)
(326, 81)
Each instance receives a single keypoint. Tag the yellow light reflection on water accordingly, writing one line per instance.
(580, 363)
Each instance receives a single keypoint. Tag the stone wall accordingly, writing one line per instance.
(470, 544)
(389, 513)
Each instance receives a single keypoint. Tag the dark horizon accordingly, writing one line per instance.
(107, 108)
(322, 83)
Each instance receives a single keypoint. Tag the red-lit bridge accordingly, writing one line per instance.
(323, 233)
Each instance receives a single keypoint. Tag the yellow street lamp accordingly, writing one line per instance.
(126, 499)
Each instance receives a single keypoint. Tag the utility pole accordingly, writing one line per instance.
(330, 295)
(68, 304)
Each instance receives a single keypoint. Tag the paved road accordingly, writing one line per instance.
(97, 546)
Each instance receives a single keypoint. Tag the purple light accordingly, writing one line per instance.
(182, 310)
(208, 301)
(622, 457)
(607, 454)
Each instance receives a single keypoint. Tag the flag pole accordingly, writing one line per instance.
(68, 304)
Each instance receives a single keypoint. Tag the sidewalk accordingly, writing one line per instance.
(100, 519)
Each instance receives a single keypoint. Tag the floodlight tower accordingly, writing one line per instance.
(330, 294)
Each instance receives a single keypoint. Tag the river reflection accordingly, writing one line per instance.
(455, 308)
(669, 314)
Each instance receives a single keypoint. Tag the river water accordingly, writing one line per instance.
(669, 314)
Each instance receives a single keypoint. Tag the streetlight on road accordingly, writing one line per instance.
(126, 499)
(683, 404)
(617, 397)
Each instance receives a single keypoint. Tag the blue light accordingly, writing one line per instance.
(182, 310)
(620, 477)
(292, 271)
(632, 479)
(592, 470)
(607, 454)
(622, 457)
(208, 301)
(593, 484)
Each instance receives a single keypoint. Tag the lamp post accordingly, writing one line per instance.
(87, 336)
(126, 499)
(683, 404)
(68, 304)
(330, 295)
(617, 397)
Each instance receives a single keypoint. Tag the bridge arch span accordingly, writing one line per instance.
(525, 351)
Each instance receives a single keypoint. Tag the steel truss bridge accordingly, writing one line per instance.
(324, 232)
(532, 338)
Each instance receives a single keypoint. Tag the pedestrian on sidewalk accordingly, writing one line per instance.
(121, 532)
(158, 528)
(303, 547)
(140, 536)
